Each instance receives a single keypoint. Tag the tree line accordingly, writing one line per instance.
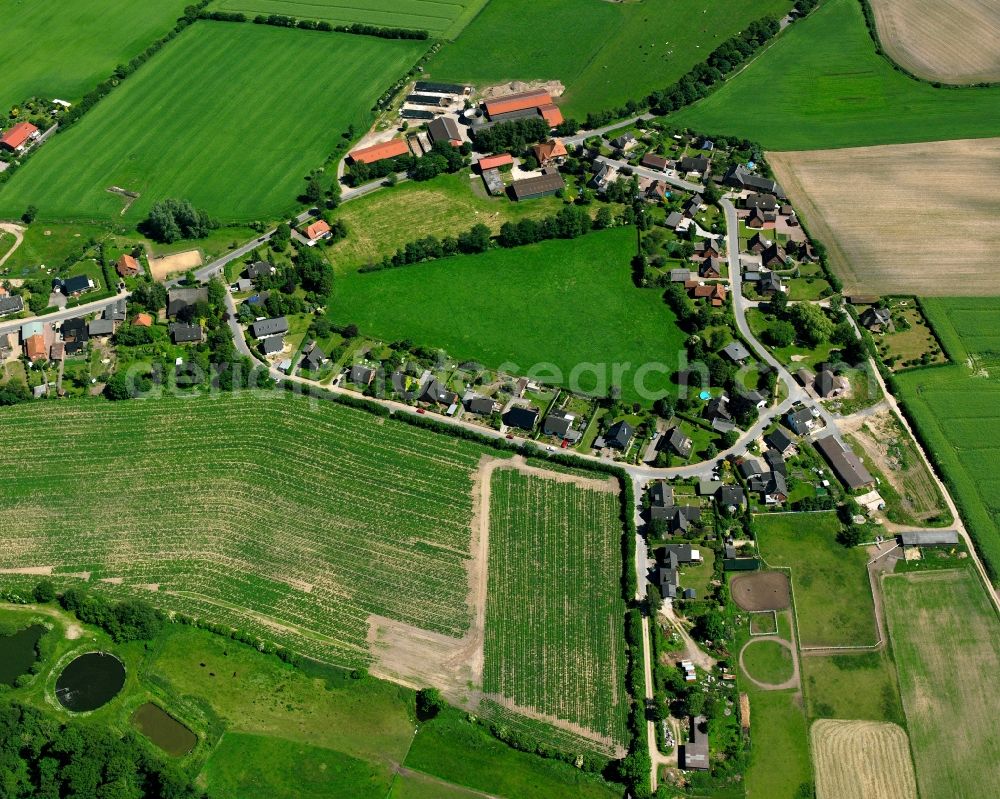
(285, 21)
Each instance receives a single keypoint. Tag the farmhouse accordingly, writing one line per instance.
(127, 266)
(847, 466)
(379, 152)
(445, 129)
(185, 334)
(317, 230)
(179, 299)
(269, 327)
(524, 104)
(10, 304)
(550, 151)
(17, 139)
(694, 753)
(521, 416)
(548, 183)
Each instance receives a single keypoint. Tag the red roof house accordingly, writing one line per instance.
(35, 348)
(15, 138)
(127, 266)
(317, 230)
(143, 320)
(379, 152)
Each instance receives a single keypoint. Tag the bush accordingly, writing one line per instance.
(429, 703)
(172, 220)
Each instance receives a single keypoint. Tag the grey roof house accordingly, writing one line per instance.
(269, 327)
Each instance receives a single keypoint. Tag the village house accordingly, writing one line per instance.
(259, 269)
(736, 352)
(127, 266)
(692, 206)
(670, 559)
(773, 256)
(100, 328)
(619, 436)
(19, 137)
(182, 333)
(481, 406)
(674, 218)
(523, 417)
(718, 409)
(801, 422)
(739, 177)
(361, 375)
(657, 162)
(314, 358)
(769, 283)
(179, 299)
(828, 384)
(560, 425)
(706, 248)
(10, 303)
(714, 292)
(878, 320)
(710, 268)
(675, 441)
(549, 152)
(435, 391)
(317, 231)
(780, 441)
(625, 142)
(263, 328)
(73, 286)
(693, 164)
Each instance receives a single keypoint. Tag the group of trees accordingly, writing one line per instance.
(475, 240)
(172, 220)
(811, 325)
(41, 758)
(569, 222)
(128, 620)
(513, 137)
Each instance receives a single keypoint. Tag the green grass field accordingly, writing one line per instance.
(779, 759)
(554, 612)
(955, 408)
(290, 525)
(440, 19)
(64, 50)
(230, 117)
(852, 686)
(946, 642)
(603, 53)
(822, 85)
(768, 662)
(555, 307)
(833, 599)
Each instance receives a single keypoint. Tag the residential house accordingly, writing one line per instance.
(739, 177)
(772, 487)
(546, 184)
(708, 145)
(101, 328)
(847, 466)
(559, 424)
(677, 442)
(259, 269)
(625, 142)
(674, 218)
(804, 376)
(769, 284)
(604, 177)
(710, 268)
(697, 164)
(758, 218)
(481, 406)
(750, 468)
(35, 348)
(548, 152)
(74, 334)
(361, 375)
(127, 266)
(692, 206)
(74, 286)
(878, 320)
(116, 311)
(318, 231)
(263, 328)
(776, 462)
(718, 409)
(182, 333)
(10, 304)
(619, 436)
(314, 358)
(444, 129)
(757, 243)
(661, 499)
(756, 398)
(706, 248)
(380, 152)
(272, 345)
(57, 352)
(521, 416)
(714, 292)
(780, 441)
(19, 137)
(773, 256)
(657, 162)
(801, 422)
(694, 753)
(731, 498)
(179, 299)
(828, 384)
(435, 391)
(736, 352)
(680, 275)
(764, 202)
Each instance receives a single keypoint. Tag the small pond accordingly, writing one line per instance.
(90, 681)
(17, 652)
(164, 730)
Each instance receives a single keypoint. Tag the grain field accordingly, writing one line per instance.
(862, 760)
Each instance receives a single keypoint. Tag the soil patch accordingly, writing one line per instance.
(761, 591)
(161, 268)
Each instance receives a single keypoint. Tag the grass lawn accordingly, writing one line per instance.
(218, 117)
(833, 599)
(292, 770)
(460, 752)
(414, 785)
(556, 310)
(822, 85)
(382, 222)
(768, 661)
(444, 20)
(955, 409)
(65, 49)
(52, 246)
(852, 686)
(604, 53)
(946, 643)
(794, 356)
(779, 757)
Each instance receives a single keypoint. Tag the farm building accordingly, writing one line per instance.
(847, 466)
(127, 266)
(19, 137)
(935, 538)
(317, 230)
(548, 183)
(694, 753)
(493, 182)
(440, 88)
(524, 104)
(379, 152)
(495, 161)
(445, 129)
(427, 99)
(416, 113)
(548, 151)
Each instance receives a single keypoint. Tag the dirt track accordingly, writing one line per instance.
(888, 228)
(952, 41)
(761, 591)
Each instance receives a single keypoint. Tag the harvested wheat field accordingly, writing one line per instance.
(952, 41)
(862, 760)
(902, 218)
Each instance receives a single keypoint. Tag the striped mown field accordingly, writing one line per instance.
(231, 117)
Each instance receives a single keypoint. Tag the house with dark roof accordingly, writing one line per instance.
(762, 201)
(10, 304)
(776, 462)
(661, 500)
(706, 248)
(314, 358)
(750, 467)
(875, 319)
(182, 333)
(624, 142)
(361, 375)
(780, 440)
(693, 164)
(619, 436)
(773, 256)
(74, 331)
(845, 464)
(100, 328)
(116, 311)
(558, 424)
(757, 243)
(769, 284)
(481, 406)
(736, 352)
(718, 408)
(739, 177)
(444, 129)
(827, 384)
(263, 328)
(272, 344)
(435, 391)
(674, 218)
(653, 161)
(731, 497)
(260, 269)
(710, 268)
(521, 416)
(692, 206)
(694, 753)
(680, 275)
(772, 487)
(801, 422)
(74, 286)
(678, 443)
(670, 558)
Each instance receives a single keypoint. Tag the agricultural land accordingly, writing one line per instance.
(952, 41)
(821, 84)
(604, 53)
(862, 760)
(225, 143)
(954, 408)
(204, 516)
(861, 203)
(439, 19)
(64, 50)
(554, 612)
(526, 305)
(941, 624)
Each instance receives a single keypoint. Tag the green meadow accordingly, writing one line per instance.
(821, 84)
(603, 53)
(65, 49)
(440, 19)
(553, 308)
(231, 117)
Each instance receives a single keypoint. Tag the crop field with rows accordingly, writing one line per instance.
(554, 614)
(291, 519)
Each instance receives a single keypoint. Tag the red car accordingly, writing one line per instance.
(421, 410)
